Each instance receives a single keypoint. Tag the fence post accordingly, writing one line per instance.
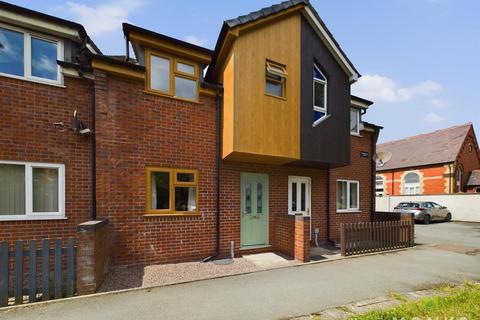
(342, 239)
(32, 271)
(57, 270)
(70, 267)
(18, 287)
(3, 273)
(45, 270)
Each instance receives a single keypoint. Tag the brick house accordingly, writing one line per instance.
(440, 162)
(264, 151)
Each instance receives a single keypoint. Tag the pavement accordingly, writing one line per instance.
(286, 292)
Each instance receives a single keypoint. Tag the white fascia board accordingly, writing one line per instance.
(38, 25)
(358, 104)
(323, 34)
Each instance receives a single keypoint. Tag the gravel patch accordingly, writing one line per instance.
(154, 275)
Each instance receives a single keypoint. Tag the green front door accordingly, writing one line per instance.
(254, 209)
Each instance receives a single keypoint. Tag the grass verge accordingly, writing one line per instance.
(460, 303)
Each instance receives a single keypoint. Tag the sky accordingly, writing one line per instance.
(418, 58)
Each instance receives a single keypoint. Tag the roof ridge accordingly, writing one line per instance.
(469, 124)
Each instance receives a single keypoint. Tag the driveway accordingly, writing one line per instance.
(285, 292)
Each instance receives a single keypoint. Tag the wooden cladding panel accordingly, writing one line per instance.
(228, 107)
(263, 125)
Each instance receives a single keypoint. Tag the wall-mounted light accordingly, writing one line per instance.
(77, 126)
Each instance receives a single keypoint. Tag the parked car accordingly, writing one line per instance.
(425, 211)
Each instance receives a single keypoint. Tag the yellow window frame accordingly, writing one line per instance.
(275, 69)
(174, 72)
(173, 182)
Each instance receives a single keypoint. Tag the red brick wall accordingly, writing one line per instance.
(136, 130)
(433, 179)
(360, 169)
(27, 113)
(469, 160)
(281, 225)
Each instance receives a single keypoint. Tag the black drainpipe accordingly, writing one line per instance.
(93, 212)
(218, 88)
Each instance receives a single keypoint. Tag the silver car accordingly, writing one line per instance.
(425, 211)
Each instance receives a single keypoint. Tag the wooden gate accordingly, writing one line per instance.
(367, 237)
(49, 272)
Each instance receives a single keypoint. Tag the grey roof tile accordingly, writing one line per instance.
(441, 146)
(474, 179)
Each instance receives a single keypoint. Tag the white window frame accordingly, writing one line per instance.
(27, 56)
(379, 193)
(29, 214)
(349, 209)
(308, 192)
(357, 111)
(323, 108)
(412, 188)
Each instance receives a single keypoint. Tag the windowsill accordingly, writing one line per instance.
(31, 218)
(274, 96)
(172, 214)
(355, 211)
(155, 93)
(59, 85)
(356, 134)
(293, 214)
(320, 121)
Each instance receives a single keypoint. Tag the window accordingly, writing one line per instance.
(275, 78)
(459, 178)
(319, 96)
(31, 190)
(379, 186)
(354, 121)
(299, 195)
(411, 183)
(28, 56)
(172, 191)
(348, 196)
(172, 76)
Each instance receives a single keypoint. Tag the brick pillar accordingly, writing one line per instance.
(93, 255)
(302, 238)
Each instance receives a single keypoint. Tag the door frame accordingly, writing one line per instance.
(266, 179)
(308, 197)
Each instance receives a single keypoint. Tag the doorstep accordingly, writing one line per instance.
(261, 246)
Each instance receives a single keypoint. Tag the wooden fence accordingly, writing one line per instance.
(50, 280)
(367, 237)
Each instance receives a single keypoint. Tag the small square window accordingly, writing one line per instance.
(347, 196)
(275, 78)
(23, 55)
(172, 191)
(171, 76)
(31, 191)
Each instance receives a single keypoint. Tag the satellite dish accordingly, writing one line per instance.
(382, 157)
